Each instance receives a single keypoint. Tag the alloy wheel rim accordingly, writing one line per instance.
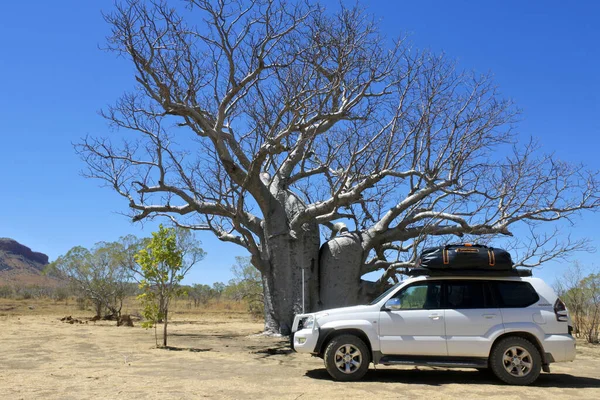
(517, 361)
(348, 359)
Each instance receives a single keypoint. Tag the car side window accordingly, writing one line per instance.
(420, 296)
(515, 294)
(466, 294)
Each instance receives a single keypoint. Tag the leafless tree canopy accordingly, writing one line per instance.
(236, 101)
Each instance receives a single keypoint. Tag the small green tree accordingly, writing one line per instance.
(162, 265)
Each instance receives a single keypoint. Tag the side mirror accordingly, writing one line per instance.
(393, 304)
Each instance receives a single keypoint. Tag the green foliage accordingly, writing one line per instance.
(82, 303)
(582, 297)
(61, 293)
(25, 292)
(590, 292)
(218, 288)
(99, 274)
(246, 285)
(414, 297)
(201, 294)
(6, 292)
(162, 266)
(160, 263)
(150, 309)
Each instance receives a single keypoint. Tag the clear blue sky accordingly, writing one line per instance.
(544, 54)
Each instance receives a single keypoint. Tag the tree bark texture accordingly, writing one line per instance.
(287, 254)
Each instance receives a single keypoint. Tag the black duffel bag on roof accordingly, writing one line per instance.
(465, 256)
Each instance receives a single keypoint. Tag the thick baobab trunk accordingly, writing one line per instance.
(287, 255)
(332, 274)
(340, 262)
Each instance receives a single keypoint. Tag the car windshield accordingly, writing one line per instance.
(382, 295)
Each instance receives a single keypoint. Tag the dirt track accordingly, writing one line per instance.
(41, 357)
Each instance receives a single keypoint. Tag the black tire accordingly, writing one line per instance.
(526, 357)
(345, 369)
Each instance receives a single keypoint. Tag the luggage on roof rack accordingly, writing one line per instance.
(466, 257)
(467, 272)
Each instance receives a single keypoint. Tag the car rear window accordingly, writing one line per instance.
(515, 294)
(466, 294)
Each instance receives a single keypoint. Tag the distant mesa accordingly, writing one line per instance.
(14, 247)
(19, 265)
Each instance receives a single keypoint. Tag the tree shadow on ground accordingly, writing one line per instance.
(208, 335)
(196, 322)
(191, 349)
(439, 377)
(281, 348)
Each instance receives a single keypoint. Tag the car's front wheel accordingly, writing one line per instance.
(516, 361)
(347, 358)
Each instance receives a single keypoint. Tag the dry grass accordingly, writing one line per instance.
(14, 307)
(217, 353)
(180, 308)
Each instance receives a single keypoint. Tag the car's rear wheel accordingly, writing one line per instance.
(516, 361)
(347, 358)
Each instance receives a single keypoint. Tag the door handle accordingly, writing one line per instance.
(489, 316)
(435, 317)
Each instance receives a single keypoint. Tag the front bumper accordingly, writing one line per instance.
(305, 340)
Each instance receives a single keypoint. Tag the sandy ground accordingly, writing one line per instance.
(222, 357)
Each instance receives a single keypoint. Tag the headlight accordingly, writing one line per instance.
(309, 322)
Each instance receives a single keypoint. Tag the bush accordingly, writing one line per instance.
(31, 292)
(6, 292)
(100, 274)
(61, 293)
(82, 303)
(246, 285)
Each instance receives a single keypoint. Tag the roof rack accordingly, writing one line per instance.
(467, 272)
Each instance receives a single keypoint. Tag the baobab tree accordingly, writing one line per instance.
(269, 122)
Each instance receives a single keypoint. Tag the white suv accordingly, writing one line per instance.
(514, 325)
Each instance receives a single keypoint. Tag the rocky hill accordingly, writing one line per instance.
(19, 265)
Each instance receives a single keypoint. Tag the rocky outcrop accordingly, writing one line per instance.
(16, 248)
(21, 266)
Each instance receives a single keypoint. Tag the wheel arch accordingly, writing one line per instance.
(328, 334)
(527, 336)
